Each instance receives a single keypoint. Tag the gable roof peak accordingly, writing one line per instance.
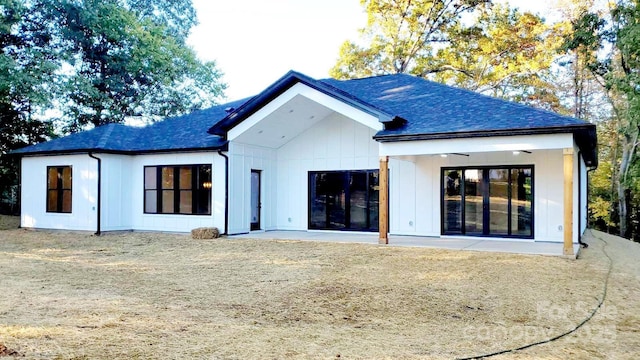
(291, 78)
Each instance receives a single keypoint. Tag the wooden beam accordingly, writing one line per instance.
(383, 193)
(568, 201)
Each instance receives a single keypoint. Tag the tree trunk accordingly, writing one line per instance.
(625, 162)
(629, 145)
(622, 208)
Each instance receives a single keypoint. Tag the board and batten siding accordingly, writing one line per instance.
(334, 143)
(33, 212)
(583, 194)
(242, 159)
(117, 189)
(171, 222)
(122, 193)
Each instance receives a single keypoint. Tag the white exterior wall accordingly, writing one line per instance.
(177, 223)
(334, 143)
(242, 159)
(83, 193)
(415, 197)
(579, 194)
(122, 194)
(116, 197)
(583, 196)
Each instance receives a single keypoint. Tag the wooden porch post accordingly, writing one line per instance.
(383, 193)
(568, 201)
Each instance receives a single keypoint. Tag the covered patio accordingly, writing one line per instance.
(449, 243)
(507, 189)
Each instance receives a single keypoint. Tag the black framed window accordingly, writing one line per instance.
(488, 201)
(177, 189)
(59, 189)
(344, 200)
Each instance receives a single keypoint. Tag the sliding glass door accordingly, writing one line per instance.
(488, 201)
(343, 200)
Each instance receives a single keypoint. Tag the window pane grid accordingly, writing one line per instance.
(150, 178)
(59, 189)
(52, 178)
(185, 178)
(52, 202)
(186, 202)
(177, 189)
(167, 177)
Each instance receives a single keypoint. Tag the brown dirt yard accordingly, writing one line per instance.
(166, 296)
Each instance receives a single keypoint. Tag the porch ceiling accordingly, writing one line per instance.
(285, 123)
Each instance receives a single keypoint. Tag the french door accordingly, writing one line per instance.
(343, 200)
(488, 201)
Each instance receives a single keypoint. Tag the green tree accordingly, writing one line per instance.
(178, 16)
(84, 63)
(401, 35)
(127, 59)
(488, 48)
(506, 54)
(583, 87)
(26, 81)
(620, 71)
(583, 90)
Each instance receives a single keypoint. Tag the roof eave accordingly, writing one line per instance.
(584, 134)
(223, 147)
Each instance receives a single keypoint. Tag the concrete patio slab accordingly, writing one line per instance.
(449, 243)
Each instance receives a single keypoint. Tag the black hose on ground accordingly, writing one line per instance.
(593, 313)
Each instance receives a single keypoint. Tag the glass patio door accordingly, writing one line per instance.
(488, 201)
(343, 200)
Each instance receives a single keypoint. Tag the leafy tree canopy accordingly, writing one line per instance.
(84, 63)
(399, 34)
(125, 59)
(506, 54)
(477, 45)
(610, 43)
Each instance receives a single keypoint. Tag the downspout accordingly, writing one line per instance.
(226, 192)
(99, 191)
(19, 194)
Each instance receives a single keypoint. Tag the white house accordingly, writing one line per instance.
(390, 154)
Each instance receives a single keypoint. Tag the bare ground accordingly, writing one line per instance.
(166, 296)
(9, 222)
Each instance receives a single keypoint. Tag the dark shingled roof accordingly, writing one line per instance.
(181, 133)
(283, 84)
(436, 111)
(108, 138)
(433, 108)
(410, 108)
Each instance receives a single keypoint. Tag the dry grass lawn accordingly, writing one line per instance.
(9, 222)
(166, 296)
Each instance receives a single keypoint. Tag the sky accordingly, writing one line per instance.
(255, 42)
